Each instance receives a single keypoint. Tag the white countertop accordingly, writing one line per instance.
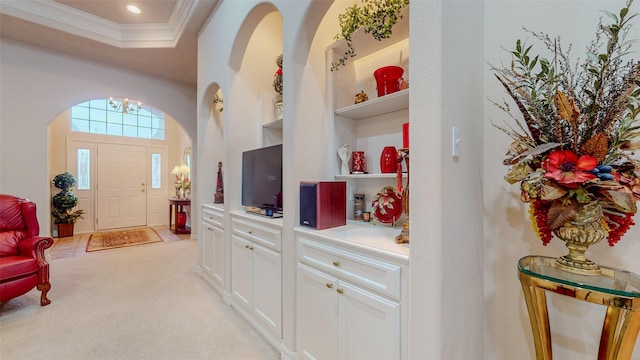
(372, 238)
(264, 220)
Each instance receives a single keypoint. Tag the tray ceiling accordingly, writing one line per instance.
(161, 41)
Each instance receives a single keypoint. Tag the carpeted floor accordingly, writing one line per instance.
(139, 302)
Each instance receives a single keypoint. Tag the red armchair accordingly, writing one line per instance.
(22, 261)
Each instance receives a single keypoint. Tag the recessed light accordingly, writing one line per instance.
(133, 9)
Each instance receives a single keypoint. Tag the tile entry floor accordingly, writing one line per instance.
(77, 244)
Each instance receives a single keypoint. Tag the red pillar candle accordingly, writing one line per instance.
(405, 135)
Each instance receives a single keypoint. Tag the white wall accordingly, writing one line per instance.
(38, 85)
(508, 236)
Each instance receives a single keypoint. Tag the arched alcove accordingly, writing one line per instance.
(249, 107)
(211, 142)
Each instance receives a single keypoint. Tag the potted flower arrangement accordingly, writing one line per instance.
(375, 17)
(63, 204)
(572, 152)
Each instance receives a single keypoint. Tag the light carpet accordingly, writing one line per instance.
(105, 240)
(142, 302)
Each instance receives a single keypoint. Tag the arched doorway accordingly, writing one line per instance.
(124, 181)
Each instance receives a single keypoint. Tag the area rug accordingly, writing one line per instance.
(122, 238)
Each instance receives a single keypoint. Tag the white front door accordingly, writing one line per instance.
(122, 179)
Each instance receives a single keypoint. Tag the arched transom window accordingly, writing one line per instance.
(118, 117)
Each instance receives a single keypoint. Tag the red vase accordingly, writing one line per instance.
(357, 162)
(387, 79)
(181, 220)
(388, 160)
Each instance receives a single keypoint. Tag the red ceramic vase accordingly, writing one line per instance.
(181, 220)
(387, 79)
(388, 160)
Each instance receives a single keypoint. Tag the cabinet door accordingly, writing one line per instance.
(206, 249)
(267, 288)
(241, 272)
(368, 325)
(317, 315)
(218, 274)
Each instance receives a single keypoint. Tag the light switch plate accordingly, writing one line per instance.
(455, 142)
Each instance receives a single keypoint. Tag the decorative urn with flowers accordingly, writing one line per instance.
(182, 183)
(572, 152)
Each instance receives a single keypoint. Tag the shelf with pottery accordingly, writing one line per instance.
(378, 106)
(372, 125)
(390, 177)
(356, 74)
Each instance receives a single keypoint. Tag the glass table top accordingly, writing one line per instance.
(611, 281)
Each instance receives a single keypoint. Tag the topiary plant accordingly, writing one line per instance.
(65, 200)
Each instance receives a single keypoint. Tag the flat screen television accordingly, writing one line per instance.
(262, 179)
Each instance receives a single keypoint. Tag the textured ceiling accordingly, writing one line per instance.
(80, 29)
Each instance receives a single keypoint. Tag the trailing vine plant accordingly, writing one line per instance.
(375, 17)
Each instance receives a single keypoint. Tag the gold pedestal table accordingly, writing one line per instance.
(618, 290)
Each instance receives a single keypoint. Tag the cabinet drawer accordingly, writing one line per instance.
(267, 237)
(379, 276)
(212, 216)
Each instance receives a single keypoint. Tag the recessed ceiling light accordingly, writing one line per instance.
(134, 9)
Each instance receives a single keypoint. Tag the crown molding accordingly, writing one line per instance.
(127, 36)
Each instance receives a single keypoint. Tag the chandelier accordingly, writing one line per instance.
(124, 105)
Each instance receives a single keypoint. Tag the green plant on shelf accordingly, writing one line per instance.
(375, 17)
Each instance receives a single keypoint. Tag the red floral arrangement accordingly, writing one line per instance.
(573, 151)
(277, 77)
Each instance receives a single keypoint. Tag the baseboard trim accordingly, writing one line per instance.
(287, 354)
(276, 343)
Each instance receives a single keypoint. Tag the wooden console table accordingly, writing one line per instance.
(618, 290)
(177, 206)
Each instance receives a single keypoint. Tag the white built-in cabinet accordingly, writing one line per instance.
(256, 272)
(351, 297)
(212, 248)
(352, 281)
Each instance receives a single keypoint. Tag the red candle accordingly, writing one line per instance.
(405, 135)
